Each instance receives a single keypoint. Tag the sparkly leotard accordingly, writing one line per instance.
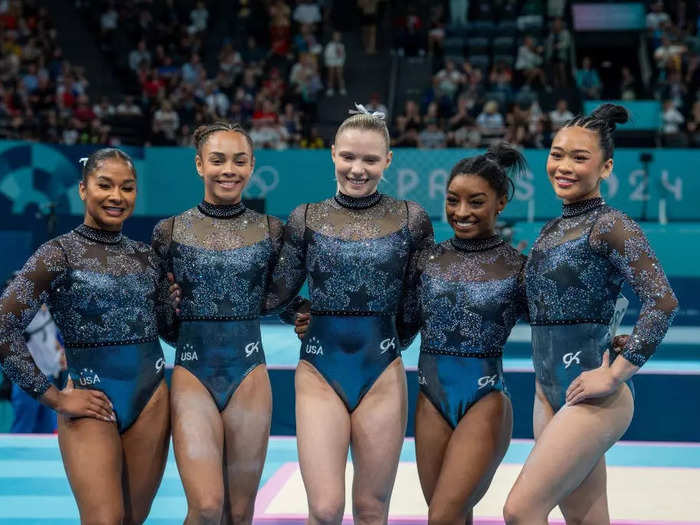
(108, 297)
(470, 293)
(355, 253)
(222, 257)
(574, 275)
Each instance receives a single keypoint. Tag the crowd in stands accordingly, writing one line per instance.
(503, 69)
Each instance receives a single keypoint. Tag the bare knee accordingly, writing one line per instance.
(518, 511)
(446, 514)
(104, 516)
(370, 510)
(206, 509)
(242, 514)
(327, 512)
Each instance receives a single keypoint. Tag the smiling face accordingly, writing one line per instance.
(471, 206)
(575, 164)
(225, 162)
(109, 194)
(360, 158)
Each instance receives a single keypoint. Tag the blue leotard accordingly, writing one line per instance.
(574, 275)
(108, 297)
(221, 256)
(470, 293)
(355, 253)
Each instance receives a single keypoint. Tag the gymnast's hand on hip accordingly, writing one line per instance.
(599, 382)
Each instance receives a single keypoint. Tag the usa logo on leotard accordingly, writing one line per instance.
(160, 364)
(571, 358)
(314, 347)
(88, 377)
(387, 344)
(487, 380)
(251, 348)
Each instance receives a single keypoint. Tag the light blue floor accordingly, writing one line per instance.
(34, 489)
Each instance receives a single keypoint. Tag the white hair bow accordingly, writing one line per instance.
(83, 161)
(360, 109)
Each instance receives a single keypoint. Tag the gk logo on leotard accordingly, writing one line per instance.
(387, 344)
(314, 347)
(487, 380)
(160, 364)
(251, 348)
(571, 358)
(422, 380)
(88, 377)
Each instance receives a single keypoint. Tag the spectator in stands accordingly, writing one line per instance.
(291, 120)
(230, 62)
(128, 108)
(668, 55)
(410, 37)
(109, 21)
(104, 109)
(82, 111)
(305, 41)
(192, 70)
(529, 63)
(629, 87)
(313, 140)
(280, 27)
(501, 81)
(458, 12)
(216, 100)
(462, 127)
(267, 134)
(307, 12)
(674, 89)
(656, 18)
(334, 59)
(410, 117)
(166, 121)
(368, 22)
(375, 104)
(558, 53)
(199, 18)
(560, 115)
(407, 139)
(140, 55)
(436, 29)
(672, 120)
(587, 80)
(432, 137)
(490, 123)
(693, 125)
(448, 81)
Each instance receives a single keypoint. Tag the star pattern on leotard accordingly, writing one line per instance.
(564, 277)
(362, 296)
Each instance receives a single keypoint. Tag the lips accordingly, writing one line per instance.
(113, 211)
(463, 225)
(228, 184)
(564, 182)
(356, 182)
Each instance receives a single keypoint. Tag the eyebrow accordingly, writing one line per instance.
(235, 155)
(450, 192)
(580, 150)
(367, 156)
(106, 178)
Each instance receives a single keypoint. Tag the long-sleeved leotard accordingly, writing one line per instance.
(574, 274)
(470, 293)
(222, 257)
(108, 297)
(355, 252)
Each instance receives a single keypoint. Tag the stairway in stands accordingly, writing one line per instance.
(80, 47)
